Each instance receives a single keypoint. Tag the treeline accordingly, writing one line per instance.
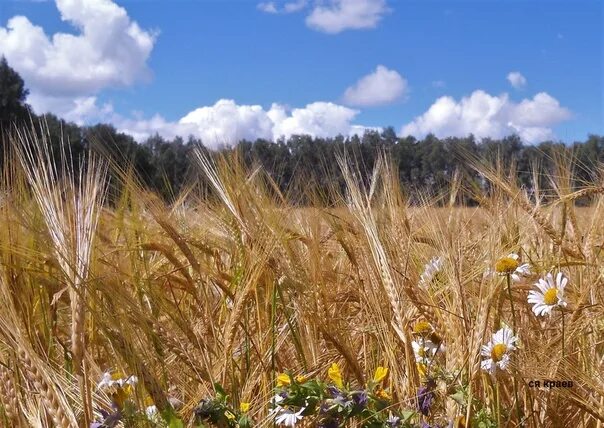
(301, 163)
(302, 167)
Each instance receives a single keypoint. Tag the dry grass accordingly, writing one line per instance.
(235, 288)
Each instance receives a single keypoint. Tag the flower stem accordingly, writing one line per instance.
(497, 403)
(509, 284)
(562, 334)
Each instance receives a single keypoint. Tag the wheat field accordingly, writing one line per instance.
(237, 308)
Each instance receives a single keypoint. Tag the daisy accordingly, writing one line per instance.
(550, 294)
(151, 411)
(276, 402)
(507, 265)
(424, 350)
(430, 270)
(289, 418)
(498, 350)
(521, 271)
(106, 381)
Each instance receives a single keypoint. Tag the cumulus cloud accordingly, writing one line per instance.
(336, 16)
(383, 86)
(108, 50)
(485, 115)
(226, 123)
(80, 110)
(516, 79)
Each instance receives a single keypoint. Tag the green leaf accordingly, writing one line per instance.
(172, 419)
(459, 397)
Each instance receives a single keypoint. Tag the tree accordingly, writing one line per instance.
(13, 108)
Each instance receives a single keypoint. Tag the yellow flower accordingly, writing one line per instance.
(283, 379)
(244, 407)
(335, 375)
(229, 415)
(506, 265)
(301, 378)
(383, 394)
(380, 374)
(421, 368)
(423, 328)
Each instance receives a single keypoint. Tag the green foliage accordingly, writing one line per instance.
(218, 412)
(13, 108)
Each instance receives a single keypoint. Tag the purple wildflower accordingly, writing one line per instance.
(425, 398)
(334, 392)
(360, 398)
(393, 421)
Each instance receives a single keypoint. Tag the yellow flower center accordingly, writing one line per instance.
(506, 265)
(117, 376)
(550, 297)
(421, 351)
(498, 351)
(422, 327)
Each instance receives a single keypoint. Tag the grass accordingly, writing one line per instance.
(212, 297)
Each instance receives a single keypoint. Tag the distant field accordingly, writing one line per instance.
(243, 311)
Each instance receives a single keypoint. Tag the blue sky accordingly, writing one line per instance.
(225, 70)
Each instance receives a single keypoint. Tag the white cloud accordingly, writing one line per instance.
(290, 7)
(335, 16)
(268, 7)
(516, 79)
(294, 6)
(108, 50)
(383, 86)
(485, 115)
(80, 110)
(319, 119)
(226, 123)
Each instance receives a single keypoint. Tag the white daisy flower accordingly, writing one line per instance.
(510, 265)
(550, 294)
(151, 412)
(276, 403)
(430, 270)
(521, 271)
(498, 350)
(288, 417)
(106, 381)
(424, 351)
(132, 380)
